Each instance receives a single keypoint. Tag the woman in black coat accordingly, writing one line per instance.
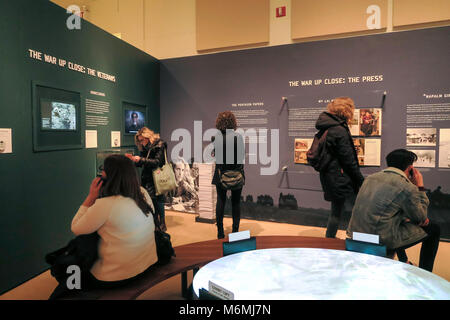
(229, 141)
(341, 178)
(152, 155)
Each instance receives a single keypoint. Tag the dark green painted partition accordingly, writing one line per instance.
(41, 191)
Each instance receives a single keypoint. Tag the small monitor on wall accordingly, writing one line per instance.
(58, 115)
(134, 120)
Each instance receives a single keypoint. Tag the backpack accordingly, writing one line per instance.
(318, 156)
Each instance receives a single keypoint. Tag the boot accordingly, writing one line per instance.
(220, 232)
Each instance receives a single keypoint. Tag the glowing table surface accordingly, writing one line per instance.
(319, 274)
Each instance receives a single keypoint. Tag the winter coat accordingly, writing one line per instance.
(152, 157)
(341, 178)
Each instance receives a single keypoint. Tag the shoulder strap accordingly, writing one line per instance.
(165, 154)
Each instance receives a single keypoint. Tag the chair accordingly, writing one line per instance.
(366, 247)
(238, 246)
(206, 295)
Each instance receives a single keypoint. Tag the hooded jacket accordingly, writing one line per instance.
(342, 177)
(152, 157)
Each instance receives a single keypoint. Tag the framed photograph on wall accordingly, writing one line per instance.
(366, 122)
(134, 117)
(57, 115)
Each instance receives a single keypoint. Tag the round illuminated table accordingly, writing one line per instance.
(319, 274)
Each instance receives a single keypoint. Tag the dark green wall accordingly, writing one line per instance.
(41, 191)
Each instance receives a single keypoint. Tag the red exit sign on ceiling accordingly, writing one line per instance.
(281, 12)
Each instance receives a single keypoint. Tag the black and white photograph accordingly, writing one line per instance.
(134, 120)
(421, 137)
(185, 197)
(425, 158)
(58, 116)
(444, 148)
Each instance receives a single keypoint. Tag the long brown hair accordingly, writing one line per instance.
(122, 179)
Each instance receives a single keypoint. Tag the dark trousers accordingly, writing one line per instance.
(158, 203)
(428, 250)
(337, 209)
(220, 208)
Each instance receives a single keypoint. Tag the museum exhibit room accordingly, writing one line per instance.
(253, 150)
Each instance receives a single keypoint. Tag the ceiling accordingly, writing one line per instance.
(67, 3)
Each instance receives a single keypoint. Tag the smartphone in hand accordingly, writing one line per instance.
(411, 172)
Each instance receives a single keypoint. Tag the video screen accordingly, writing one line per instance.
(134, 120)
(58, 116)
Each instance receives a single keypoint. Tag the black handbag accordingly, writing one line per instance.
(82, 251)
(164, 247)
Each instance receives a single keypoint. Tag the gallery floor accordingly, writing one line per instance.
(183, 229)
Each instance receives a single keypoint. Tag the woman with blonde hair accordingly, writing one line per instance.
(152, 155)
(341, 177)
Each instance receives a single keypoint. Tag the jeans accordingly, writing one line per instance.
(429, 247)
(337, 209)
(220, 208)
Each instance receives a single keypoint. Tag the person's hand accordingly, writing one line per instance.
(94, 192)
(416, 177)
(96, 185)
(132, 158)
(425, 223)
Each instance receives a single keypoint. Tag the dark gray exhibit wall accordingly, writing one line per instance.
(41, 191)
(411, 67)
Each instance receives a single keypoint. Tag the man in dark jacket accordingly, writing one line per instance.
(341, 177)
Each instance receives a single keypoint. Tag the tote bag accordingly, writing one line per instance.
(164, 178)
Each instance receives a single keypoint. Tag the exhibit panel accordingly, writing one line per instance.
(400, 87)
(61, 97)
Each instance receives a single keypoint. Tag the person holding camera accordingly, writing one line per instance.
(393, 204)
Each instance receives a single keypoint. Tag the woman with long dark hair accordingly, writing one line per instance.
(227, 141)
(341, 178)
(120, 211)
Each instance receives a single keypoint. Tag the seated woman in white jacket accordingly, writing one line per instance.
(120, 211)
